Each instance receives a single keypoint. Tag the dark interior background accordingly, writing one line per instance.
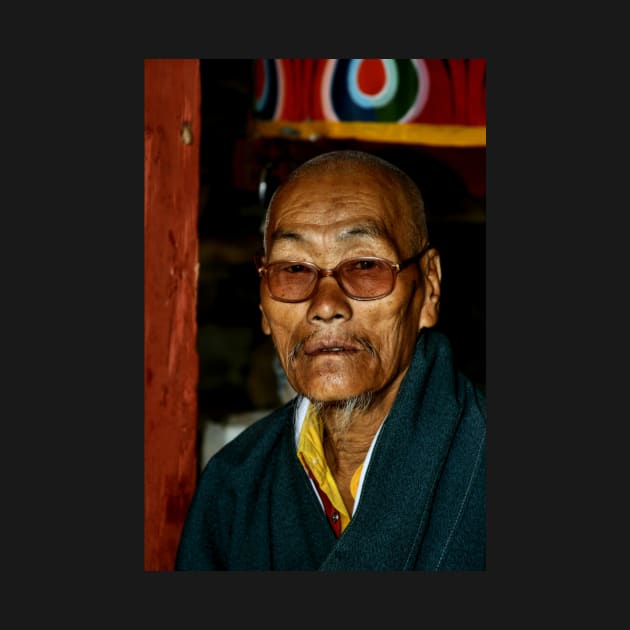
(235, 358)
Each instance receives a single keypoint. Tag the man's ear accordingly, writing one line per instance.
(432, 271)
(264, 323)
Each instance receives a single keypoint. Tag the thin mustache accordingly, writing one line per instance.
(364, 343)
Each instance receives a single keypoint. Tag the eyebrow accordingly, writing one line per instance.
(286, 235)
(369, 229)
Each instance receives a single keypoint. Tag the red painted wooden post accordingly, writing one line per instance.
(172, 127)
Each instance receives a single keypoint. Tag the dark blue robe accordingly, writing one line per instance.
(422, 506)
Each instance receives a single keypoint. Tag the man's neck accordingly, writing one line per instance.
(347, 439)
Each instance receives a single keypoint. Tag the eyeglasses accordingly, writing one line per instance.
(364, 278)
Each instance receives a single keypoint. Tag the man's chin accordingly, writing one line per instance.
(329, 394)
(329, 381)
(336, 395)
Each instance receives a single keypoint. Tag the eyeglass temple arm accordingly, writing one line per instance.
(405, 263)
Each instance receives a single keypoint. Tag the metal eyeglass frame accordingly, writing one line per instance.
(396, 268)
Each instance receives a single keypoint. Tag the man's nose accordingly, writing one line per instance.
(329, 302)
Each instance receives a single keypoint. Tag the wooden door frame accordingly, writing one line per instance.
(172, 127)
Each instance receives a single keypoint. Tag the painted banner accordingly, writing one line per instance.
(418, 101)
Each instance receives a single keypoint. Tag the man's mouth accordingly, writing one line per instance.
(332, 346)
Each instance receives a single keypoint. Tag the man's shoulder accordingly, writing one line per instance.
(259, 438)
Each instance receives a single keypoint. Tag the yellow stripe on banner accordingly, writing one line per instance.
(405, 133)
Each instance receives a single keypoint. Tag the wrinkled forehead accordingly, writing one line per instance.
(344, 200)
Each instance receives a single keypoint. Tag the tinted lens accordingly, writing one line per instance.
(366, 277)
(291, 281)
(360, 278)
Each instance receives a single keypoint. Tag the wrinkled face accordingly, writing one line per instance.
(331, 346)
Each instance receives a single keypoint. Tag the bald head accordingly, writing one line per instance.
(400, 187)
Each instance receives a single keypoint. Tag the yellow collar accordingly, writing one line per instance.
(311, 453)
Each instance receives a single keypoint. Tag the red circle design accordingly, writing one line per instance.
(371, 76)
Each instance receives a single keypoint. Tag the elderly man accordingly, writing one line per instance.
(379, 462)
